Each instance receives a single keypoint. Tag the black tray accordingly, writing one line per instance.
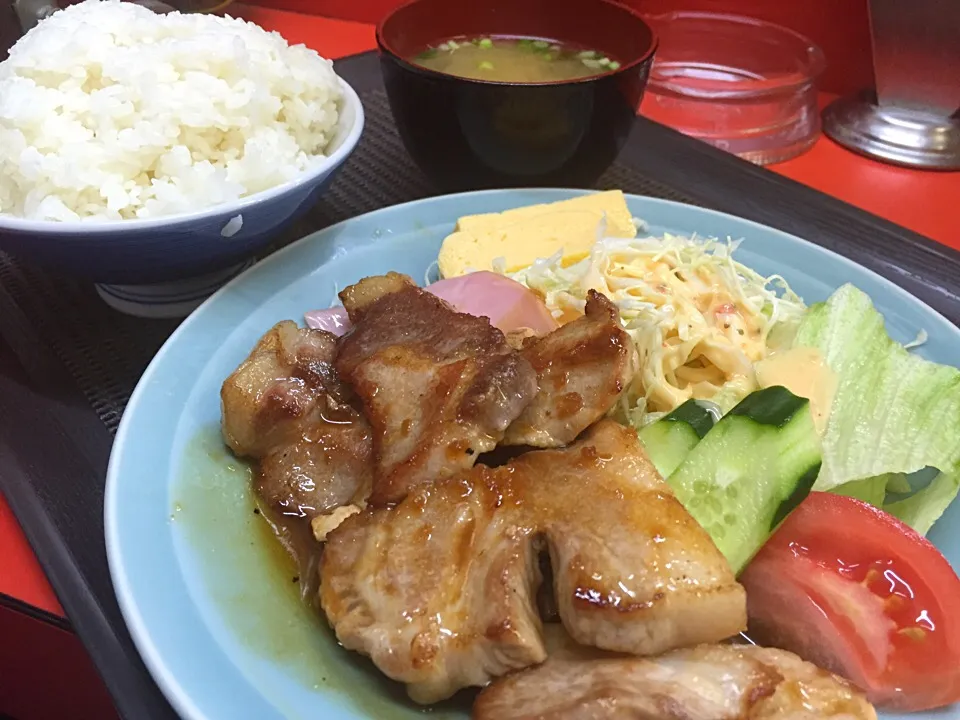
(68, 363)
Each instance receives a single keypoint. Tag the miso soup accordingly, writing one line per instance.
(514, 59)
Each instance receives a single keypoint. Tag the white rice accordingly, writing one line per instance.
(109, 111)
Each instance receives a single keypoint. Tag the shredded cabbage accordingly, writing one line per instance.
(700, 320)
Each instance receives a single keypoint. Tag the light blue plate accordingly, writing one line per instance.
(212, 611)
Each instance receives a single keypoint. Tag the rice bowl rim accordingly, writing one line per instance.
(351, 107)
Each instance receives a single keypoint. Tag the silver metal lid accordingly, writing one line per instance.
(902, 136)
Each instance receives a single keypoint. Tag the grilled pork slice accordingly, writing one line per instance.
(439, 387)
(328, 467)
(582, 369)
(708, 682)
(286, 406)
(440, 591)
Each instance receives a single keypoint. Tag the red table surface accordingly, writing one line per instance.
(922, 201)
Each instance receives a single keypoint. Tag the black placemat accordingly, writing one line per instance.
(71, 362)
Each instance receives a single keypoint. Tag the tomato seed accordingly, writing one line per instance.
(894, 603)
(914, 633)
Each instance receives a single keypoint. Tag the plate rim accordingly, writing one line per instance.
(140, 634)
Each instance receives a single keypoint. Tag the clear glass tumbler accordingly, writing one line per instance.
(743, 85)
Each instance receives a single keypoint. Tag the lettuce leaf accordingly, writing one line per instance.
(898, 483)
(893, 412)
(922, 509)
(870, 490)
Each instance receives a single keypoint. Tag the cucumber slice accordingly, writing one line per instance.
(747, 474)
(671, 438)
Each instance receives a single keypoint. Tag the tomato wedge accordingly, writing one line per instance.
(854, 590)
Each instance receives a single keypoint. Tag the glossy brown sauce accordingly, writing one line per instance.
(268, 600)
(295, 540)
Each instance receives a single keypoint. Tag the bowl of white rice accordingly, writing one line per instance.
(156, 155)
